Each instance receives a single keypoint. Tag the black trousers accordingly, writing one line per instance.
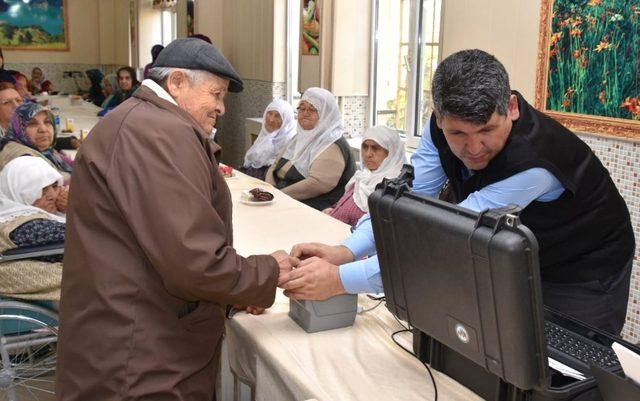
(599, 303)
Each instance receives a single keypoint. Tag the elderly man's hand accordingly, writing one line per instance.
(285, 262)
(336, 255)
(253, 310)
(314, 279)
(62, 199)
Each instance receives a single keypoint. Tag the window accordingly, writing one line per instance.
(168, 26)
(406, 52)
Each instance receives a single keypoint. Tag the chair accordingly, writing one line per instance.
(28, 337)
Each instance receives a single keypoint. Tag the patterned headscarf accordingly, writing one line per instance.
(18, 132)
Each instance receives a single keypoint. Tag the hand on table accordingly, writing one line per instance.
(62, 199)
(328, 210)
(313, 279)
(337, 255)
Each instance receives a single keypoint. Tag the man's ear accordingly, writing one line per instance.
(177, 81)
(438, 119)
(513, 110)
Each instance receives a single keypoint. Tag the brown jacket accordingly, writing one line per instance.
(149, 264)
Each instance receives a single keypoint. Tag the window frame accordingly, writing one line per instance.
(417, 45)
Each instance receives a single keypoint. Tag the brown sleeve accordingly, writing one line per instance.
(324, 174)
(163, 189)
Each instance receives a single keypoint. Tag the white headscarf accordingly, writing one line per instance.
(268, 145)
(308, 144)
(365, 180)
(21, 184)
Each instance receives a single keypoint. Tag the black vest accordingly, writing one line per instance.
(586, 233)
(328, 199)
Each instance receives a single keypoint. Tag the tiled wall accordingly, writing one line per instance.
(53, 72)
(354, 114)
(251, 102)
(622, 159)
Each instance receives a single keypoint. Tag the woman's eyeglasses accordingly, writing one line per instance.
(17, 101)
(304, 110)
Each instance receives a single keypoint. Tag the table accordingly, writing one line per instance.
(280, 361)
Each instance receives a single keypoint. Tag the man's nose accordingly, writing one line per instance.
(221, 109)
(474, 144)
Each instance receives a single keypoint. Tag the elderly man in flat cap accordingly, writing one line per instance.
(149, 263)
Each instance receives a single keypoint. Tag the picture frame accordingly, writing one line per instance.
(587, 76)
(41, 25)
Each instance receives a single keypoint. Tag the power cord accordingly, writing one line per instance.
(409, 329)
(381, 299)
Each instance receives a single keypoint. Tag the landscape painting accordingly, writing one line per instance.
(588, 65)
(33, 25)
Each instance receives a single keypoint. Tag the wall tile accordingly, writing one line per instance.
(354, 114)
(622, 159)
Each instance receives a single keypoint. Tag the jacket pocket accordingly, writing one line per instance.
(205, 318)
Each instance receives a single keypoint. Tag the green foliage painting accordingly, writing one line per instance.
(594, 58)
(33, 25)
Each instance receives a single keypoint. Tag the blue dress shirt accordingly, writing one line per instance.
(539, 184)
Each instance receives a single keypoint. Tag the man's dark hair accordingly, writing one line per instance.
(470, 85)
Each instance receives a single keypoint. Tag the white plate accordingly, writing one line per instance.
(233, 175)
(255, 203)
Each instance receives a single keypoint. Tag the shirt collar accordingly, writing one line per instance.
(159, 90)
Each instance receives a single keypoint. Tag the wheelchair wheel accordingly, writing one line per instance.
(28, 337)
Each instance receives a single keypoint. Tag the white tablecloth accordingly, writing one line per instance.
(280, 361)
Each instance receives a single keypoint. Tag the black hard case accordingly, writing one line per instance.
(443, 266)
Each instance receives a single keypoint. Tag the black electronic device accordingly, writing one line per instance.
(469, 284)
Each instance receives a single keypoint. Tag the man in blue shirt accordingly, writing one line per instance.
(496, 150)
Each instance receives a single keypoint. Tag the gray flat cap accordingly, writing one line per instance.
(196, 54)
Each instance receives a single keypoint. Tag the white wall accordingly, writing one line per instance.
(508, 29)
(149, 27)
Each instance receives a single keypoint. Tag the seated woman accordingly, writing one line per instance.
(278, 127)
(10, 99)
(37, 78)
(317, 163)
(29, 188)
(47, 87)
(32, 133)
(128, 85)
(382, 155)
(22, 85)
(109, 88)
(95, 94)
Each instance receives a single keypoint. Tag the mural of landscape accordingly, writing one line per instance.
(33, 25)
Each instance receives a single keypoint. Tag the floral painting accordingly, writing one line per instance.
(589, 64)
(33, 25)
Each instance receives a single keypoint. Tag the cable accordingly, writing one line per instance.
(404, 330)
(372, 308)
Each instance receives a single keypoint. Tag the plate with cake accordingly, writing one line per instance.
(256, 197)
